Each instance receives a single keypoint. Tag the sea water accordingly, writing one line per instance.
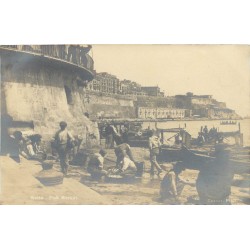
(194, 127)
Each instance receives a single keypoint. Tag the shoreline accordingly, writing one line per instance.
(163, 120)
(22, 187)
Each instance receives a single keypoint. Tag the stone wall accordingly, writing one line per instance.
(120, 106)
(33, 90)
(108, 106)
(155, 102)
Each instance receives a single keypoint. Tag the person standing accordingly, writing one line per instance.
(205, 132)
(154, 149)
(109, 136)
(62, 51)
(124, 134)
(83, 51)
(200, 139)
(63, 142)
(71, 57)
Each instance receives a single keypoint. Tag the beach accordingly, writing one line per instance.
(78, 188)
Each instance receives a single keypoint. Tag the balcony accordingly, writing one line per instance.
(74, 56)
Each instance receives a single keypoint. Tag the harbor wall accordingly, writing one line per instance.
(106, 105)
(101, 105)
(33, 91)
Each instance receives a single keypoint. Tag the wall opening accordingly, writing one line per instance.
(69, 95)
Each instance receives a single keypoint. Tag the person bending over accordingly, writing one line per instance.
(96, 165)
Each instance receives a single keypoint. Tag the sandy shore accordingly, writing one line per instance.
(19, 185)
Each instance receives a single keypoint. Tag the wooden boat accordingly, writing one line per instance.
(195, 156)
(190, 156)
(131, 131)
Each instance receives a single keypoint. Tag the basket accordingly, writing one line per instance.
(50, 177)
(47, 164)
(140, 169)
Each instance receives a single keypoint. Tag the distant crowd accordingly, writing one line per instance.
(208, 136)
(76, 54)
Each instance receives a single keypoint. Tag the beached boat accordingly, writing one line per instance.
(192, 154)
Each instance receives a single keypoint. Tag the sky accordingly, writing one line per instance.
(219, 70)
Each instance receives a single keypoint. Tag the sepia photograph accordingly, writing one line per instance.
(124, 124)
(92, 124)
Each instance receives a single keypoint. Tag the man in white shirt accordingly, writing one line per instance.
(154, 149)
(63, 143)
(126, 165)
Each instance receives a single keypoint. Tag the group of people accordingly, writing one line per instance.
(111, 131)
(73, 53)
(213, 182)
(171, 184)
(64, 142)
(206, 135)
(28, 147)
(125, 163)
(230, 122)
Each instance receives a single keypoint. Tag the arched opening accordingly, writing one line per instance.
(68, 93)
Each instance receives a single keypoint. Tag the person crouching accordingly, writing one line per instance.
(172, 186)
(126, 165)
(96, 165)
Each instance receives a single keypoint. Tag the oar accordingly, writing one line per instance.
(172, 136)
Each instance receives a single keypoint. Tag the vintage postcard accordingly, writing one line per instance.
(125, 124)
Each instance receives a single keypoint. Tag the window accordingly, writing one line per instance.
(69, 96)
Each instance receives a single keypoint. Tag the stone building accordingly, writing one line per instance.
(224, 113)
(95, 85)
(204, 106)
(221, 105)
(160, 113)
(40, 87)
(131, 88)
(152, 91)
(183, 101)
(201, 99)
(105, 83)
(201, 112)
(189, 100)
